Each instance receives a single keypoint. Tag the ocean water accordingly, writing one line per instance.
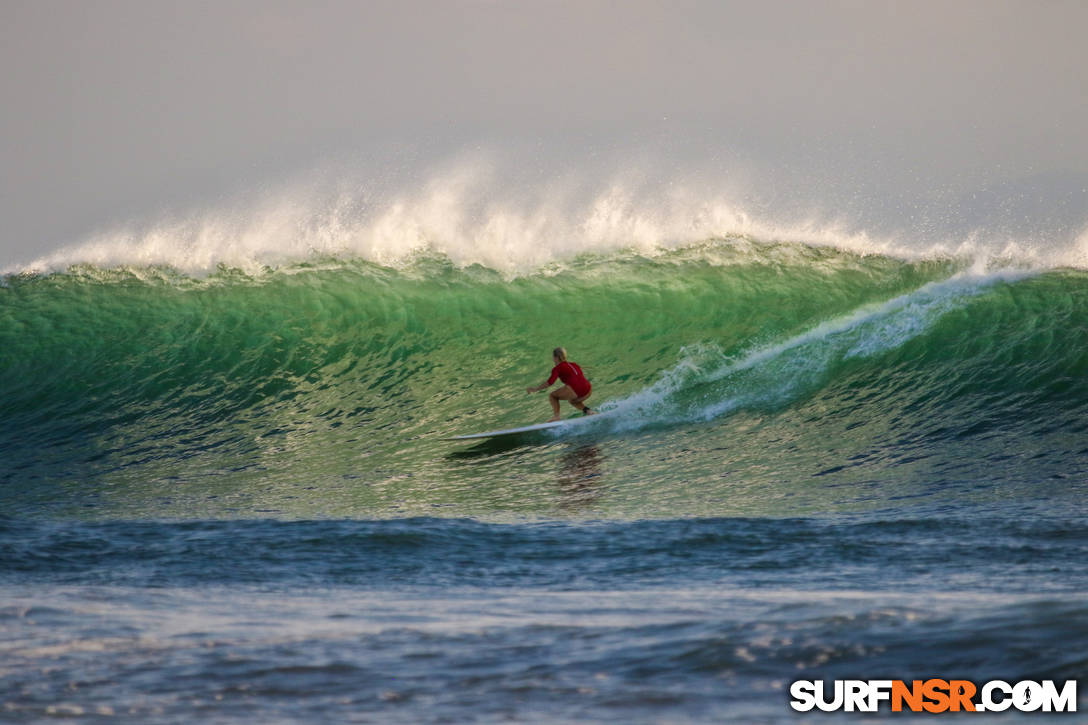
(226, 494)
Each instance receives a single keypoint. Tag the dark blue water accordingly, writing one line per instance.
(452, 620)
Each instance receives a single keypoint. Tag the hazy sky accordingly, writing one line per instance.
(116, 110)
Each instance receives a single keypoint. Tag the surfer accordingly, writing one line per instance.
(575, 386)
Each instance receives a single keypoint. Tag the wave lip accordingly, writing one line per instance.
(472, 215)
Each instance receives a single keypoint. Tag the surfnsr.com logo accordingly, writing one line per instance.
(934, 695)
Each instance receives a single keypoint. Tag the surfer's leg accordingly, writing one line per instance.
(579, 403)
(563, 393)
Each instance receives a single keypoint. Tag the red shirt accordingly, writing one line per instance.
(573, 376)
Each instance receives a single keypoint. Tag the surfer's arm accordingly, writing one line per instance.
(547, 383)
(537, 388)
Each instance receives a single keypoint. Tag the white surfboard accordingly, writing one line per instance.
(523, 429)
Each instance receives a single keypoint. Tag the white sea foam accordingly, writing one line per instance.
(472, 213)
(776, 374)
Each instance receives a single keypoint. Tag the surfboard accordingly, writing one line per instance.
(523, 429)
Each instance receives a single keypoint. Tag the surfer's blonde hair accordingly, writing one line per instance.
(561, 353)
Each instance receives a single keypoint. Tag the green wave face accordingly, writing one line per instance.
(744, 378)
